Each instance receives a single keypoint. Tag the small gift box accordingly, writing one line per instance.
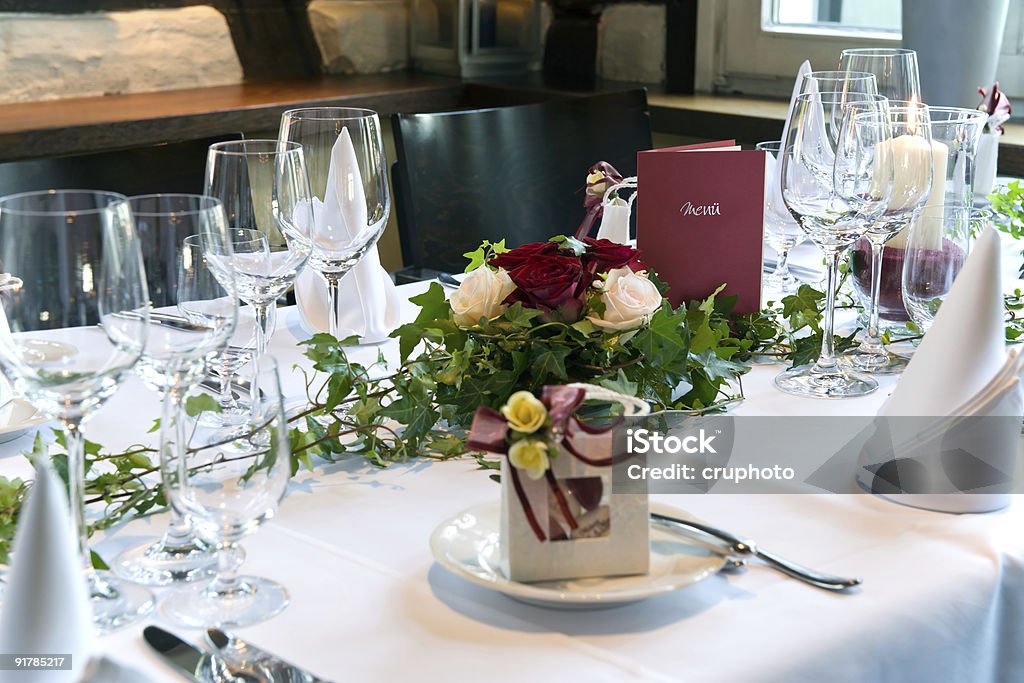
(560, 518)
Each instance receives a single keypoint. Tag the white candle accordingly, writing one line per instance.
(932, 239)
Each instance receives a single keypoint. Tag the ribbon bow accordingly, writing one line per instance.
(595, 191)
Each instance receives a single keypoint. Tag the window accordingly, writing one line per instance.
(755, 46)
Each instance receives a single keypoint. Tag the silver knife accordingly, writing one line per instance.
(745, 546)
(201, 665)
(232, 648)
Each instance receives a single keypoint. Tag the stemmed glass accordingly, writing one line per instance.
(175, 355)
(847, 82)
(70, 331)
(895, 70)
(912, 154)
(197, 291)
(937, 247)
(345, 157)
(229, 481)
(781, 231)
(264, 188)
(834, 209)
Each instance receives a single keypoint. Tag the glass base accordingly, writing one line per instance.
(252, 601)
(227, 417)
(117, 603)
(811, 382)
(160, 564)
(884, 363)
(783, 283)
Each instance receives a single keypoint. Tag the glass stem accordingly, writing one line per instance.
(871, 343)
(226, 398)
(229, 559)
(264, 325)
(827, 360)
(75, 444)
(179, 531)
(782, 264)
(333, 291)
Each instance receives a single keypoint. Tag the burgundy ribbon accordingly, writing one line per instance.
(490, 428)
(594, 203)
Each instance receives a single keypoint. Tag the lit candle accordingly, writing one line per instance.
(933, 206)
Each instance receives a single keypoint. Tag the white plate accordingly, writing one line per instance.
(467, 545)
(16, 418)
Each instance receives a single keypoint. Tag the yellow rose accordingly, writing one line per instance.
(530, 455)
(524, 412)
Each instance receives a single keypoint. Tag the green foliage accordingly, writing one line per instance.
(1008, 205)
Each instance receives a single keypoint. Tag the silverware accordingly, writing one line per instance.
(202, 665)
(164, 320)
(745, 546)
(448, 280)
(233, 649)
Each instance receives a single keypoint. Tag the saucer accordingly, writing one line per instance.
(467, 545)
(17, 417)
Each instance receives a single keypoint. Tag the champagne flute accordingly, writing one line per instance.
(78, 262)
(348, 170)
(175, 355)
(912, 152)
(264, 187)
(834, 211)
(895, 70)
(229, 481)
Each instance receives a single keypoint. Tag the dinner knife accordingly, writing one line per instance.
(203, 666)
(745, 546)
(232, 648)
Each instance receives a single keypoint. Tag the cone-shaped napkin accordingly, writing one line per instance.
(46, 602)
(952, 425)
(772, 181)
(965, 347)
(368, 302)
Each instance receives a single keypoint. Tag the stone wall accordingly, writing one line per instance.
(361, 36)
(631, 43)
(49, 56)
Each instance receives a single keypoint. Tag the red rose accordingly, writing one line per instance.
(604, 255)
(550, 281)
(511, 260)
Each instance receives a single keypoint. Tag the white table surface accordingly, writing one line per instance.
(942, 598)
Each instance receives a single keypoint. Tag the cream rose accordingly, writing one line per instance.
(530, 455)
(629, 300)
(524, 412)
(480, 296)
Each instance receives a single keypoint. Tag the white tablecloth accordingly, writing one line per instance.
(942, 598)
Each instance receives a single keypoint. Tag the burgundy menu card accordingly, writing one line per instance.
(700, 215)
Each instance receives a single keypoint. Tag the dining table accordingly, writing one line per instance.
(942, 597)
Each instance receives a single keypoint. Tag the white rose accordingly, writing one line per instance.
(480, 296)
(629, 300)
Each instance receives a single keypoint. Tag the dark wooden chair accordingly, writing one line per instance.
(516, 173)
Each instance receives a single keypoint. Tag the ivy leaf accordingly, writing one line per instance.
(549, 360)
(201, 403)
(806, 299)
(97, 561)
(433, 305)
(448, 445)
(415, 410)
(477, 258)
(520, 316)
(718, 368)
(621, 384)
(664, 341)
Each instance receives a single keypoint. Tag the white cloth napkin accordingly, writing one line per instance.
(773, 182)
(960, 370)
(368, 301)
(46, 601)
(615, 222)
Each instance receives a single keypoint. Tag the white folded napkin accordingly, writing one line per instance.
(965, 347)
(46, 601)
(615, 221)
(368, 301)
(772, 180)
(954, 418)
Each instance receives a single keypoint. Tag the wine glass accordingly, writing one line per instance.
(834, 211)
(895, 70)
(781, 231)
(913, 155)
(937, 247)
(345, 157)
(229, 481)
(264, 187)
(72, 326)
(175, 354)
(838, 81)
(959, 130)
